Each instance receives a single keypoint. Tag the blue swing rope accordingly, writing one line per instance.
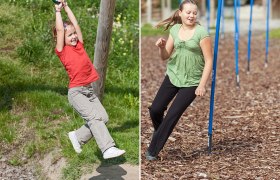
(267, 31)
(214, 77)
(238, 13)
(249, 35)
(208, 15)
(236, 19)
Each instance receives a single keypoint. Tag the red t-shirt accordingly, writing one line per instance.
(78, 65)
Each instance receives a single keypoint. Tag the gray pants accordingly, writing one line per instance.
(86, 103)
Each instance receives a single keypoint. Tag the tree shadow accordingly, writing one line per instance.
(222, 147)
(121, 90)
(10, 90)
(129, 124)
(112, 172)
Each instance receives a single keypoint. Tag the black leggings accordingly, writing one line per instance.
(164, 126)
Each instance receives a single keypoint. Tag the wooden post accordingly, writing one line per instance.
(104, 31)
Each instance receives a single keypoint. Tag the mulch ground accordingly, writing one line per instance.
(246, 126)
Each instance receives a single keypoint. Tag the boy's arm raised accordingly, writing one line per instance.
(59, 28)
(74, 21)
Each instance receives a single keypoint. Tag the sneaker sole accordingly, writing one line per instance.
(114, 156)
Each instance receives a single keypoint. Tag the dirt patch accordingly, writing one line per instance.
(7, 49)
(16, 172)
(52, 165)
(246, 126)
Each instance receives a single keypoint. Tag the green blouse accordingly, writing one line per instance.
(185, 66)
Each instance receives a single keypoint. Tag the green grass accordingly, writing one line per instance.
(149, 30)
(275, 33)
(35, 115)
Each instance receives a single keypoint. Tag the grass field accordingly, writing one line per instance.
(149, 30)
(35, 115)
(275, 33)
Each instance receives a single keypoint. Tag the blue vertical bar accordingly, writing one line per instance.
(214, 77)
(249, 35)
(238, 13)
(208, 15)
(223, 18)
(236, 42)
(267, 31)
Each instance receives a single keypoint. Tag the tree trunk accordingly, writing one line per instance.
(104, 31)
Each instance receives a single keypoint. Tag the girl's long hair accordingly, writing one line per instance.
(175, 18)
(65, 24)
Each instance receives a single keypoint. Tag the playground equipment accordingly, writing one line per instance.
(236, 20)
(208, 15)
(249, 36)
(56, 2)
(210, 126)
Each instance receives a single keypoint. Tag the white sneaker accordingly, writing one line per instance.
(74, 140)
(113, 152)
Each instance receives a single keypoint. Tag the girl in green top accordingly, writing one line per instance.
(189, 53)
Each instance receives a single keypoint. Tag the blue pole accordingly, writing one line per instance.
(249, 35)
(236, 42)
(223, 18)
(267, 31)
(208, 15)
(214, 77)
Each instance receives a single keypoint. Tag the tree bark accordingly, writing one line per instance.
(104, 31)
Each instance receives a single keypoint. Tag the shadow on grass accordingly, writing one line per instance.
(222, 147)
(8, 92)
(129, 124)
(121, 90)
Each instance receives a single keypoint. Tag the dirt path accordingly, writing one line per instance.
(50, 168)
(246, 127)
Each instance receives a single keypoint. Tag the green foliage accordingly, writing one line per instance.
(30, 149)
(15, 161)
(275, 33)
(149, 30)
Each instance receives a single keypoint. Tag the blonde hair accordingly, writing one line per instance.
(65, 24)
(175, 18)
